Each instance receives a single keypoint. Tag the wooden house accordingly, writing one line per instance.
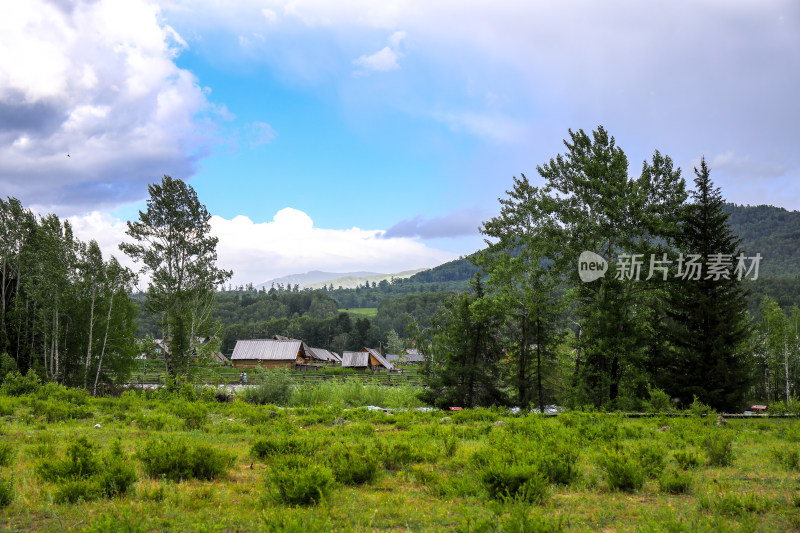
(366, 359)
(269, 353)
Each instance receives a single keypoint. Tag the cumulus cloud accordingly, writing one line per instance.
(455, 224)
(96, 80)
(384, 59)
(288, 244)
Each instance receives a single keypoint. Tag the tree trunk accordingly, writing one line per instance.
(89, 348)
(539, 363)
(103, 349)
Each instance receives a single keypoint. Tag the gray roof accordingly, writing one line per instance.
(355, 359)
(336, 357)
(392, 357)
(382, 360)
(323, 354)
(266, 349)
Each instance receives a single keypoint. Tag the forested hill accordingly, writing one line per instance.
(771, 231)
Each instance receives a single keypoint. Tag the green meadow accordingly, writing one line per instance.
(197, 459)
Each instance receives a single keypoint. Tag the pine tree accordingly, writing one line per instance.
(707, 319)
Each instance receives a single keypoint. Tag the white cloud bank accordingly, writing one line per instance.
(95, 80)
(289, 244)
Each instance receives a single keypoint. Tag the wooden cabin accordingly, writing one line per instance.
(269, 353)
(366, 359)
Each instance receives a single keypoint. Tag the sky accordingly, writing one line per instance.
(377, 136)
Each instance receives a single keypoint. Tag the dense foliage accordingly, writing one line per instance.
(64, 311)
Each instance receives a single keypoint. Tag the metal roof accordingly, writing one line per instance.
(377, 355)
(323, 354)
(266, 349)
(355, 359)
(336, 357)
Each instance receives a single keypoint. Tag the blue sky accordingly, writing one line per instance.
(360, 135)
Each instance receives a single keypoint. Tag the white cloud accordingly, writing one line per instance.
(96, 80)
(289, 244)
(382, 60)
(260, 133)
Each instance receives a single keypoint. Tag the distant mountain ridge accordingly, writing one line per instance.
(316, 279)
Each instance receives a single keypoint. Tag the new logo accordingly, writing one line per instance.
(591, 266)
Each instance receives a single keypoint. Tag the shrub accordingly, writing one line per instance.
(652, 458)
(7, 364)
(659, 401)
(194, 415)
(675, 482)
(6, 492)
(560, 465)
(177, 461)
(56, 410)
(275, 388)
(353, 466)
(298, 481)
(6, 453)
(15, 384)
(515, 482)
(788, 456)
(623, 470)
(719, 450)
(75, 490)
(698, 408)
(272, 446)
(117, 475)
(687, 459)
(81, 463)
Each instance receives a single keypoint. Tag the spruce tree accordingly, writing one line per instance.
(706, 318)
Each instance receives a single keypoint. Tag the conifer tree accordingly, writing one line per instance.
(707, 321)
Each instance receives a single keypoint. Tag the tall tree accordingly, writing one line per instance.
(597, 207)
(707, 313)
(522, 280)
(464, 351)
(176, 250)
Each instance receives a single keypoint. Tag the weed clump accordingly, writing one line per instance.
(6, 492)
(675, 482)
(624, 471)
(275, 388)
(6, 454)
(353, 466)
(687, 459)
(788, 456)
(515, 482)
(297, 481)
(83, 476)
(719, 450)
(177, 461)
(15, 384)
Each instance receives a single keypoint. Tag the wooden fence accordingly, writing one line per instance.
(231, 377)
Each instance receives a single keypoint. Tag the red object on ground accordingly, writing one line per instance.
(456, 408)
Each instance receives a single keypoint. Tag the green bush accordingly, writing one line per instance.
(177, 461)
(81, 463)
(352, 466)
(788, 456)
(659, 402)
(275, 388)
(675, 482)
(719, 450)
(7, 364)
(516, 482)
(652, 458)
(117, 475)
(559, 465)
(6, 453)
(687, 459)
(6, 492)
(57, 410)
(15, 384)
(623, 470)
(194, 415)
(299, 481)
(698, 408)
(279, 445)
(75, 490)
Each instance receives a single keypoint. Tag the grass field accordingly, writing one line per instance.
(183, 461)
(369, 312)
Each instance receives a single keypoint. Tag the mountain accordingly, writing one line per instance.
(316, 279)
(351, 281)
